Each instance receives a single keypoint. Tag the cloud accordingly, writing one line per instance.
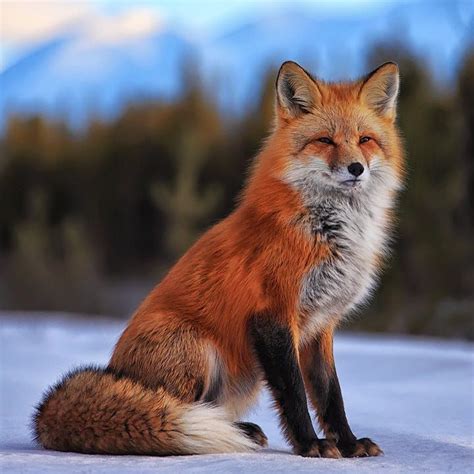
(127, 25)
(30, 22)
(26, 23)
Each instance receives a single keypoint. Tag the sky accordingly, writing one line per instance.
(24, 23)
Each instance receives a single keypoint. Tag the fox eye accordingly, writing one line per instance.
(364, 139)
(326, 140)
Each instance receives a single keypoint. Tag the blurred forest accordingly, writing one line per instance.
(91, 220)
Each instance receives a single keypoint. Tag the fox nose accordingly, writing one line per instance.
(356, 169)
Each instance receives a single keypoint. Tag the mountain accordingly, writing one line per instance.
(76, 75)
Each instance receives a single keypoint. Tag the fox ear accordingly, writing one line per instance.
(380, 90)
(297, 92)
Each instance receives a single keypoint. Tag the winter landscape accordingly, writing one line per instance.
(126, 130)
(413, 396)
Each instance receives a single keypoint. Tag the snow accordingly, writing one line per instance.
(412, 396)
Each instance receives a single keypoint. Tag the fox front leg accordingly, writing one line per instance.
(274, 347)
(321, 379)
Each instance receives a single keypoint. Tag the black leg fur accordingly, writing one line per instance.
(323, 385)
(276, 353)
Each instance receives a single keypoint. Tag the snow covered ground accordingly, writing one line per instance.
(414, 397)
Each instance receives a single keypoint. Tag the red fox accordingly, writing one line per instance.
(257, 298)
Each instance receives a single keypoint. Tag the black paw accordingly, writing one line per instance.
(362, 447)
(321, 448)
(253, 432)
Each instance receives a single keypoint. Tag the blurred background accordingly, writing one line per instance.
(127, 127)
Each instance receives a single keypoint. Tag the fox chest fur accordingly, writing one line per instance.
(355, 231)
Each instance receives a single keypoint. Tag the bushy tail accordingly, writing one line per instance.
(95, 411)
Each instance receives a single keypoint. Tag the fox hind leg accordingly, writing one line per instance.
(254, 432)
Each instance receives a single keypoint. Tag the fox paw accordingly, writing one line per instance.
(254, 432)
(321, 448)
(362, 447)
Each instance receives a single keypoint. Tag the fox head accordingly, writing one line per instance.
(336, 138)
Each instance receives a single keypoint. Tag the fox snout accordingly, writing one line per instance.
(356, 169)
(353, 174)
